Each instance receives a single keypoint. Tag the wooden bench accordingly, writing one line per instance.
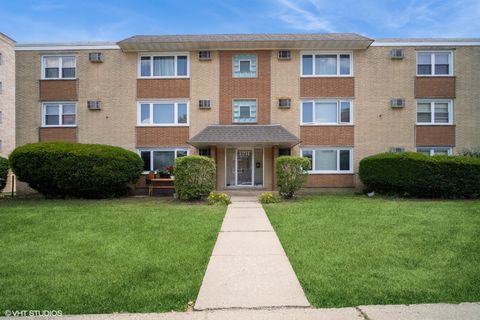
(159, 183)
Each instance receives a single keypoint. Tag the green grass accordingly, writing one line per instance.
(352, 250)
(103, 256)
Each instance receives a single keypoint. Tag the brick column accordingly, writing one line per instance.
(275, 154)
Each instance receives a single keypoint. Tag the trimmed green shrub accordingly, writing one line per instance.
(58, 169)
(291, 174)
(418, 175)
(194, 177)
(269, 197)
(3, 172)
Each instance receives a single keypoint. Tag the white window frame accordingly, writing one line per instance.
(338, 149)
(432, 63)
(432, 112)
(313, 53)
(151, 150)
(175, 113)
(163, 54)
(60, 66)
(249, 65)
(245, 105)
(338, 123)
(432, 150)
(60, 120)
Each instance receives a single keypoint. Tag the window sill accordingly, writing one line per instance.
(331, 172)
(327, 125)
(436, 75)
(327, 76)
(166, 78)
(161, 125)
(434, 124)
(68, 126)
(56, 79)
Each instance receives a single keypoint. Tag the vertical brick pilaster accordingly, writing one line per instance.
(275, 154)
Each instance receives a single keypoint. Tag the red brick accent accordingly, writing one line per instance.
(435, 87)
(57, 134)
(162, 136)
(275, 155)
(245, 88)
(435, 136)
(163, 88)
(58, 90)
(327, 135)
(327, 87)
(330, 181)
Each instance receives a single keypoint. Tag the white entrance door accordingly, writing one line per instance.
(244, 167)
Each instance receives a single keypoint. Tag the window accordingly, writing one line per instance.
(204, 152)
(164, 66)
(158, 159)
(162, 113)
(434, 63)
(204, 55)
(59, 67)
(284, 55)
(244, 66)
(335, 64)
(284, 152)
(329, 160)
(434, 112)
(326, 112)
(436, 151)
(244, 111)
(59, 114)
(284, 103)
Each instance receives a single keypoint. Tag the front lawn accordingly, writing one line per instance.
(103, 256)
(352, 250)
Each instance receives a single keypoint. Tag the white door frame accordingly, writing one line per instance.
(252, 150)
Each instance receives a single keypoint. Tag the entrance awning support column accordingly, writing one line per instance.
(275, 154)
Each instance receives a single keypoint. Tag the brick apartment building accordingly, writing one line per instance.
(246, 99)
(7, 98)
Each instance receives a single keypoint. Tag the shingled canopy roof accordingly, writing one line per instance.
(345, 41)
(243, 135)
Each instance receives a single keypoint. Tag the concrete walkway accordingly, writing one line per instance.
(248, 268)
(440, 311)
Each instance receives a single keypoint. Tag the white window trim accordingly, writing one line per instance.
(432, 62)
(313, 53)
(60, 120)
(313, 149)
(244, 59)
(175, 113)
(249, 65)
(432, 150)
(432, 112)
(338, 123)
(139, 151)
(60, 66)
(162, 54)
(244, 105)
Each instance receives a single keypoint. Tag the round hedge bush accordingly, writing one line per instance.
(194, 177)
(419, 175)
(291, 174)
(3, 172)
(58, 169)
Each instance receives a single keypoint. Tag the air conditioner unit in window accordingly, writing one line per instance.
(94, 105)
(397, 150)
(397, 103)
(204, 104)
(204, 55)
(95, 57)
(397, 53)
(284, 103)
(284, 55)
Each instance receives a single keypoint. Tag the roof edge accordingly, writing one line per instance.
(66, 46)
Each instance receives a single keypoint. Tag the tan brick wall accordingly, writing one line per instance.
(466, 108)
(245, 88)
(162, 136)
(57, 134)
(431, 136)
(58, 90)
(7, 100)
(330, 181)
(435, 87)
(327, 135)
(285, 83)
(204, 85)
(327, 87)
(378, 79)
(113, 82)
(163, 88)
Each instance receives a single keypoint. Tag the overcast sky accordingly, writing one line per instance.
(94, 20)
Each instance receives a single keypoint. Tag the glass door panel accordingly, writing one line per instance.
(244, 168)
